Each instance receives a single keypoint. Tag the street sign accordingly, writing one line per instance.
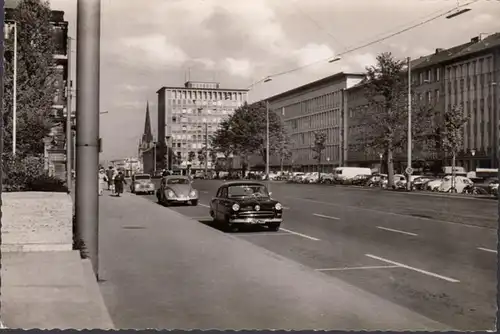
(409, 170)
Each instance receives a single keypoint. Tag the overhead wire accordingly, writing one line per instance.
(362, 46)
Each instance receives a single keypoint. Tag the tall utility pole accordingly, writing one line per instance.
(267, 140)
(154, 158)
(87, 125)
(14, 95)
(2, 36)
(206, 149)
(408, 184)
(69, 131)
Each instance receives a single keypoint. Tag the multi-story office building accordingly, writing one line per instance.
(188, 115)
(473, 81)
(436, 83)
(316, 106)
(55, 154)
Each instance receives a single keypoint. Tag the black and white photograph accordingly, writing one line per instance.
(250, 165)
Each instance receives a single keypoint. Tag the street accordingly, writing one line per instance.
(433, 255)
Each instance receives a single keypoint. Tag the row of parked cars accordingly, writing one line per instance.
(364, 177)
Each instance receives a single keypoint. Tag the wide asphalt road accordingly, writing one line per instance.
(433, 254)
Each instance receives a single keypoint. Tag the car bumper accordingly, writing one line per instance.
(181, 199)
(142, 190)
(259, 220)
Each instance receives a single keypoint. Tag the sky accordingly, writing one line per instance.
(148, 44)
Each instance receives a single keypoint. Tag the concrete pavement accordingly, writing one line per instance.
(51, 290)
(163, 270)
(407, 249)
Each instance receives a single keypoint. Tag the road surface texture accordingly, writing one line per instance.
(164, 270)
(434, 255)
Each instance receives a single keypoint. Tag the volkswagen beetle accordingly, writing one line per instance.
(177, 189)
(142, 183)
(245, 202)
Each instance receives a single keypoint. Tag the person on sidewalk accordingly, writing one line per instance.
(119, 181)
(109, 174)
(103, 180)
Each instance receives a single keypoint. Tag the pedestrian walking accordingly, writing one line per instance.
(119, 181)
(103, 180)
(109, 173)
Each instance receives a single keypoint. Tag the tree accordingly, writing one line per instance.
(387, 113)
(222, 140)
(35, 78)
(249, 130)
(318, 148)
(452, 135)
(191, 156)
(284, 151)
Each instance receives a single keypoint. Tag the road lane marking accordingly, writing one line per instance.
(397, 231)
(300, 234)
(204, 205)
(487, 250)
(323, 216)
(356, 268)
(425, 272)
(204, 192)
(286, 208)
(391, 213)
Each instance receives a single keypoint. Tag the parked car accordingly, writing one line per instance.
(327, 178)
(311, 178)
(142, 184)
(398, 179)
(434, 184)
(421, 182)
(245, 203)
(493, 187)
(177, 189)
(360, 179)
(376, 180)
(461, 182)
(346, 174)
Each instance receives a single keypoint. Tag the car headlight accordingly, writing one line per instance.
(236, 207)
(170, 193)
(278, 206)
(192, 193)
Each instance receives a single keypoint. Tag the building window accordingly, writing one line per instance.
(438, 72)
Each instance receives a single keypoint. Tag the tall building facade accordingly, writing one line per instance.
(464, 75)
(188, 115)
(316, 106)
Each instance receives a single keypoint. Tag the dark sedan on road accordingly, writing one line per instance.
(142, 183)
(177, 189)
(246, 203)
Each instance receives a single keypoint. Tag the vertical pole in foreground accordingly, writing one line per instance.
(267, 140)
(408, 183)
(69, 132)
(87, 125)
(206, 150)
(14, 95)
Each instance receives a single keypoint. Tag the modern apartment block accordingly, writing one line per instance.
(464, 75)
(188, 115)
(316, 106)
(55, 153)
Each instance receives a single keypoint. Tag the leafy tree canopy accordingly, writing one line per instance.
(35, 77)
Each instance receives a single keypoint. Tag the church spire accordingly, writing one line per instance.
(147, 136)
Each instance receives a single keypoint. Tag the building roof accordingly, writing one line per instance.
(207, 89)
(316, 83)
(488, 43)
(440, 56)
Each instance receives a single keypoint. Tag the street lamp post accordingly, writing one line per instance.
(154, 158)
(267, 140)
(14, 94)
(409, 126)
(473, 152)
(381, 156)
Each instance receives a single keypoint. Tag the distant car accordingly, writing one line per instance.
(246, 203)
(360, 179)
(420, 182)
(142, 184)
(177, 189)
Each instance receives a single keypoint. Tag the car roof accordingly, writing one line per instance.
(241, 183)
(142, 174)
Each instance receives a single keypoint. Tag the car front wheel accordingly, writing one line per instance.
(194, 202)
(274, 227)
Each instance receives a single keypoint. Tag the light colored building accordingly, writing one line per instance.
(188, 115)
(316, 106)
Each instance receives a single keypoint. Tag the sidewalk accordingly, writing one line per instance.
(51, 290)
(164, 270)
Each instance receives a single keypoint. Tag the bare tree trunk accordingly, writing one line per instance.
(390, 168)
(453, 163)
(281, 165)
(319, 168)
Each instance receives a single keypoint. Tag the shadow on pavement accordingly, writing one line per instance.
(242, 229)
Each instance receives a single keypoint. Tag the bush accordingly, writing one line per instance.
(27, 173)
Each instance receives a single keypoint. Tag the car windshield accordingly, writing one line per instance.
(178, 181)
(142, 177)
(247, 190)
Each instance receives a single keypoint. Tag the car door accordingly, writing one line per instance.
(222, 203)
(215, 202)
